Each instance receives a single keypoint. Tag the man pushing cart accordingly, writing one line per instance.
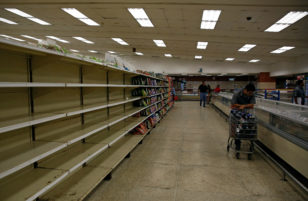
(242, 120)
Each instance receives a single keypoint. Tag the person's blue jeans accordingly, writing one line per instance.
(203, 98)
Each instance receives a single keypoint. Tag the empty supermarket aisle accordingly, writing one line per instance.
(185, 159)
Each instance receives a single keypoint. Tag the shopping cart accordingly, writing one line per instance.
(243, 127)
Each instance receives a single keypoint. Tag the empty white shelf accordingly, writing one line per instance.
(85, 85)
(53, 142)
(85, 180)
(27, 183)
(13, 124)
(30, 84)
(26, 154)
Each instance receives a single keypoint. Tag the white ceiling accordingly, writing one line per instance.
(177, 22)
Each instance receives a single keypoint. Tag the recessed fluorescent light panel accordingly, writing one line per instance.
(57, 39)
(77, 14)
(139, 53)
(282, 49)
(141, 17)
(198, 57)
(38, 21)
(72, 50)
(254, 60)
(159, 43)
(7, 21)
(26, 15)
(246, 47)
(168, 55)
(120, 41)
(202, 45)
(229, 59)
(209, 19)
(31, 37)
(10, 37)
(93, 51)
(287, 20)
(111, 52)
(83, 40)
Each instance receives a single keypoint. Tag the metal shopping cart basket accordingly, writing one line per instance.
(242, 128)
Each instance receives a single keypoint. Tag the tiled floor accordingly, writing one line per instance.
(185, 159)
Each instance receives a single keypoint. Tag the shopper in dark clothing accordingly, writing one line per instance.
(203, 90)
(245, 98)
(299, 93)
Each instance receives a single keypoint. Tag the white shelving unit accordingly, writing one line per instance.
(65, 121)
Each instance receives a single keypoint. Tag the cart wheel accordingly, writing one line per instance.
(237, 155)
(249, 156)
(228, 148)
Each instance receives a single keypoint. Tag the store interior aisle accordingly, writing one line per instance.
(185, 159)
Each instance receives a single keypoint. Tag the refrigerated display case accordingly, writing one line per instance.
(282, 128)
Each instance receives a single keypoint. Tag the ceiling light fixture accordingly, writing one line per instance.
(57, 39)
(202, 45)
(83, 40)
(93, 51)
(229, 59)
(246, 47)
(287, 20)
(31, 37)
(77, 14)
(159, 43)
(120, 41)
(198, 57)
(209, 19)
(139, 53)
(254, 60)
(72, 50)
(7, 21)
(140, 15)
(168, 55)
(282, 49)
(111, 52)
(10, 37)
(26, 15)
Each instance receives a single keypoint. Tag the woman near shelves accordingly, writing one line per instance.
(173, 93)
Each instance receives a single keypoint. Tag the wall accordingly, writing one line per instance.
(173, 65)
(184, 66)
(284, 68)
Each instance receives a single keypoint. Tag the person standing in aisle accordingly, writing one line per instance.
(203, 89)
(173, 93)
(243, 99)
(299, 93)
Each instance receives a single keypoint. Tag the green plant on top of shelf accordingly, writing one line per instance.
(96, 59)
(65, 51)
